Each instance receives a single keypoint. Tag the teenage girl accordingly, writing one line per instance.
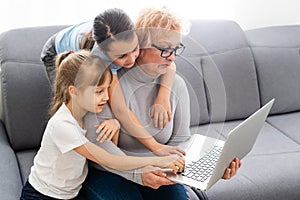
(112, 37)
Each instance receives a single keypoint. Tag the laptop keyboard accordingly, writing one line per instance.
(202, 169)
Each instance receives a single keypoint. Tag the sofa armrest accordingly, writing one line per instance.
(10, 180)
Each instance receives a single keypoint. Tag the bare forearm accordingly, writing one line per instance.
(128, 119)
(102, 157)
(136, 129)
(167, 81)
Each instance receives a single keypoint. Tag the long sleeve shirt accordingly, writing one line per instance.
(140, 90)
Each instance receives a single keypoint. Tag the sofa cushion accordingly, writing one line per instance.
(288, 124)
(227, 60)
(25, 44)
(10, 181)
(189, 68)
(277, 58)
(227, 99)
(25, 103)
(269, 141)
(262, 177)
(25, 160)
(209, 130)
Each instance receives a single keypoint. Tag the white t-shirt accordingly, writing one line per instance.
(58, 170)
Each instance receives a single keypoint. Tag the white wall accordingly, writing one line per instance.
(248, 13)
(259, 13)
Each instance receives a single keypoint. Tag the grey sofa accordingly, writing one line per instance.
(230, 73)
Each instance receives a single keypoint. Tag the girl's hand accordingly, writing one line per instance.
(174, 162)
(161, 113)
(166, 150)
(107, 129)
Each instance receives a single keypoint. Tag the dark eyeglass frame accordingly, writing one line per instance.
(170, 50)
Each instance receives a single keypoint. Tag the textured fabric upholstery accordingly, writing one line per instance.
(229, 73)
(276, 51)
(226, 60)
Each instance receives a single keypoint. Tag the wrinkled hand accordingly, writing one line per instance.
(232, 169)
(165, 150)
(161, 113)
(107, 129)
(154, 178)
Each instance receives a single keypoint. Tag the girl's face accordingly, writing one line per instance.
(124, 53)
(93, 98)
(150, 59)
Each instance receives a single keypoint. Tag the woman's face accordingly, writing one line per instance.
(124, 53)
(150, 59)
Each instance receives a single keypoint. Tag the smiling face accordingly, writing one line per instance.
(93, 98)
(123, 52)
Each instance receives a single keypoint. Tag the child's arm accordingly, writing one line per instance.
(108, 129)
(115, 138)
(161, 110)
(133, 125)
(102, 157)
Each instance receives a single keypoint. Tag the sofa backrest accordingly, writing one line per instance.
(277, 58)
(26, 90)
(224, 60)
(189, 68)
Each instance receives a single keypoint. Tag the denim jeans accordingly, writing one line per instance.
(48, 56)
(29, 193)
(101, 185)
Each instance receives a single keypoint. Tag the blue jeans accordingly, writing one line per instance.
(101, 185)
(29, 193)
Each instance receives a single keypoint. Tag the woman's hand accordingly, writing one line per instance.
(166, 150)
(174, 162)
(232, 169)
(161, 113)
(154, 178)
(107, 130)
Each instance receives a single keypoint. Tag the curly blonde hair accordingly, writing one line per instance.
(151, 23)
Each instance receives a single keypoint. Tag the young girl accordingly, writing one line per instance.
(60, 167)
(113, 38)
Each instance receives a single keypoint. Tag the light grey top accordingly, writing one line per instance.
(140, 90)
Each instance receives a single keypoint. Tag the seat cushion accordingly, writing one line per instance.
(288, 124)
(262, 177)
(25, 160)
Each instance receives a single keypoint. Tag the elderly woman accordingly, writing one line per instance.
(159, 33)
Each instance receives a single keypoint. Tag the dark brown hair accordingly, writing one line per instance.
(112, 24)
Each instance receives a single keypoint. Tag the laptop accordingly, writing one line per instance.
(207, 158)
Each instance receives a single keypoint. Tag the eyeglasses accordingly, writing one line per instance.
(167, 52)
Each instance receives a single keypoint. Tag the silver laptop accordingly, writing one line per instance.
(207, 158)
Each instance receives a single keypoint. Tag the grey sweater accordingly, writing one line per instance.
(140, 91)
